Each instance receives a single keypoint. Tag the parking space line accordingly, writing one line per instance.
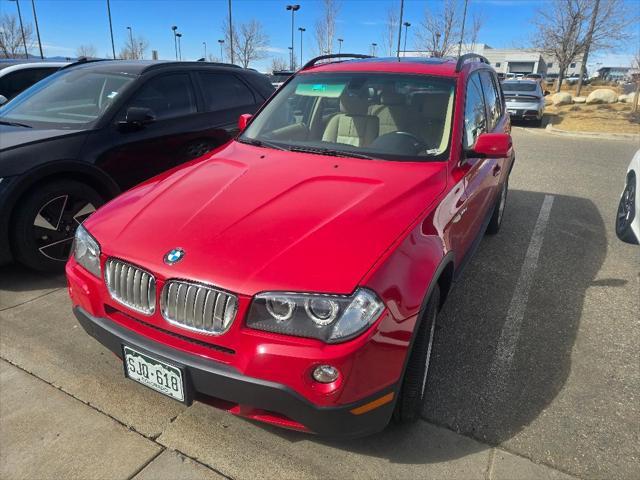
(505, 350)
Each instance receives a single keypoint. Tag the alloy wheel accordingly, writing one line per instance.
(626, 208)
(55, 224)
(428, 358)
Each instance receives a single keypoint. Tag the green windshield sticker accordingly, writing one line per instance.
(331, 90)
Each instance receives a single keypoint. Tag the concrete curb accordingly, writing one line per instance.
(609, 136)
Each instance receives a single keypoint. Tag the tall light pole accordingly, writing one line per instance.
(205, 50)
(437, 52)
(141, 51)
(302, 30)
(35, 18)
(406, 34)
(175, 39)
(179, 35)
(464, 18)
(373, 48)
(400, 26)
(340, 40)
(221, 42)
(230, 33)
(113, 45)
(293, 9)
(134, 54)
(24, 41)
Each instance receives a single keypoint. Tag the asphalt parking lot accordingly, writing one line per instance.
(535, 368)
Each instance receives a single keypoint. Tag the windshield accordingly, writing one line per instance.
(519, 86)
(67, 99)
(388, 116)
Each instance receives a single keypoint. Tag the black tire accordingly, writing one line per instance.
(627, 211)
(537, 122)
(412, 392)
(498, 209)
(45, 222)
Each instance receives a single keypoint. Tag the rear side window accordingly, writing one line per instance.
(475, 121)
(492, 99)
(223, 91)
(167, 96)
(15, 82)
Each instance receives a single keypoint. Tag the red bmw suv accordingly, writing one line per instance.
(294, 275)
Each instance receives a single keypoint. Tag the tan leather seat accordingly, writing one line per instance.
(393, 114)
(352, 126)
(432, 114)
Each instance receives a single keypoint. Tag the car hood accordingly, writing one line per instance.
(15, 136)
(251, 219)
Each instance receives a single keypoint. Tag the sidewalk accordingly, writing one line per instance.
(47, 433)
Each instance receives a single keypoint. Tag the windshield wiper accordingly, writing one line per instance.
(15, 124)
(330, 152)
(260, 143)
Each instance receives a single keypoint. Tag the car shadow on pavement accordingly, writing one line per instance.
(463, 394)
(19, 285)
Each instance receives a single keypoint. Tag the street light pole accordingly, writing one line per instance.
(293, 9)
(113, 45)
(340, 40)
(302, 30)
(175, 39)
(179, 35)
(230, 33)
(406, 34)
(221, 42)
(205, 50)
(400, 27)
(373, 48)
(35, 18)
(24, 41)
(134, 54)
(464, 18)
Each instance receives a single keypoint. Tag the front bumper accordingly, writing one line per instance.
(251, 397)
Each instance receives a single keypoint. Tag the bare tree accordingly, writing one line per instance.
(88, 51)
(134, 48)
(279, 63)
(471, 38)
(438, 32)
(390, 29)
(249, 41)
(11, 44)
(326, 26)
(636, 77)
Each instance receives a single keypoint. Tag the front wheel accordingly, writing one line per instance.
(46, 222)
(411, 398)
(627, 212)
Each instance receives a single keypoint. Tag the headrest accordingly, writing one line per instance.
(391, 98)
(352, 104)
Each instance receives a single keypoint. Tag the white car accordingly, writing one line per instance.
(15, 77)
(628, 220)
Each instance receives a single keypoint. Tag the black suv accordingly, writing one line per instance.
(94, 129)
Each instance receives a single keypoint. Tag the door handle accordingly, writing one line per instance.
(496, 170)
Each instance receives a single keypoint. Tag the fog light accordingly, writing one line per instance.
(325, 374)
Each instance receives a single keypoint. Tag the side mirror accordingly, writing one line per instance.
(493, 145)
(243, 121)
(3, 100)
(136, 118)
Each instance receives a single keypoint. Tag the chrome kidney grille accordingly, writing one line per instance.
(197, 307)
(131, 286)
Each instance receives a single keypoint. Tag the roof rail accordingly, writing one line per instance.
(468, 56)
(82, 60)
(315, 60)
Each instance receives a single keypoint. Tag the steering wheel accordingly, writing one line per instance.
(400, 143)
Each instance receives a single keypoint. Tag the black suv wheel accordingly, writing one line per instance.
(46, 221)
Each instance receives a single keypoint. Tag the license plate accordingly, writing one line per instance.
(153, 373)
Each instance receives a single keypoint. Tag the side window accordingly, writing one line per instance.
(168, 96)
(223, 91)
(475, 121)
(15, 82)
(492, 99)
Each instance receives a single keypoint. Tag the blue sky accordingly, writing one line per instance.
(65, 24)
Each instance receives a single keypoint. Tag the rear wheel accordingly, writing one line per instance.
(498, 211)
(46, 222)
(414, 383)
(627, 212)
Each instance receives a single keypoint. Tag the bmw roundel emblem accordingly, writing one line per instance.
(174, 256)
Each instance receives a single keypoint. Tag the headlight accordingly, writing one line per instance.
(87, 251)
(330, 318)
